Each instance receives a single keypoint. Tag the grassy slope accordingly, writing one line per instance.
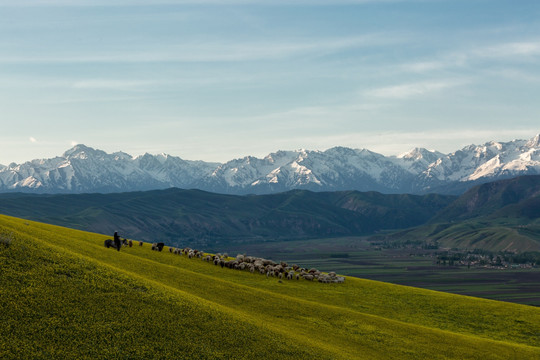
(65, 295)
(475, 234)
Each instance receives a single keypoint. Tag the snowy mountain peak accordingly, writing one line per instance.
(421, 153)
(84, 169)
(122, 156)
(534, 142)
(81, 151)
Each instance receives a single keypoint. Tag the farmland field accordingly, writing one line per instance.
(355, 256)
(64, 295)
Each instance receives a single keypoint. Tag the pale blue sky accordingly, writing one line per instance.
(216, 80)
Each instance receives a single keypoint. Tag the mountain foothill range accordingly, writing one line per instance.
(484, 196)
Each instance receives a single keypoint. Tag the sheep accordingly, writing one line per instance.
(266, 267)
(154, 246)
(109, 243)
(130, 243)
(170, 249)
(324, 278)
(141, 243)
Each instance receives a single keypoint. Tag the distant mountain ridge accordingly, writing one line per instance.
(83, 169)
(180, 217)
(497, 216)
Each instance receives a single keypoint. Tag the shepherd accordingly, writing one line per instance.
(117, 241)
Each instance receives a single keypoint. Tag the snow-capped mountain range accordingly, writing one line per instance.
(83, 169)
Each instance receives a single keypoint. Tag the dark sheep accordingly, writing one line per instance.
(130, 243)
(160, 246)
(140, 243)
(109, 243)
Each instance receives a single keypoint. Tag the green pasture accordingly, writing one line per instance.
(64, 295)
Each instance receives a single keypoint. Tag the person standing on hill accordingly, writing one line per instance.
(117, 241)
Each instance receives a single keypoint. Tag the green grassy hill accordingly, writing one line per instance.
(64, 295)
(498, 216)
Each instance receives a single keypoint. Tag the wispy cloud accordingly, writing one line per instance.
(513, 74)
(105, 84)
(513, 52)
(214, 51)
(405, 91)
(511, 49)
(32, 139)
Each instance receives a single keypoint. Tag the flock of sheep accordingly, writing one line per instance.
(247, 263)
(256, 265)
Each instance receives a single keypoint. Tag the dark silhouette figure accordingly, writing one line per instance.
(117, 242)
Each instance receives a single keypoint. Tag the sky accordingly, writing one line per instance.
(215, 80)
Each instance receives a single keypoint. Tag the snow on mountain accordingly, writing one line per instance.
(84, 169)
